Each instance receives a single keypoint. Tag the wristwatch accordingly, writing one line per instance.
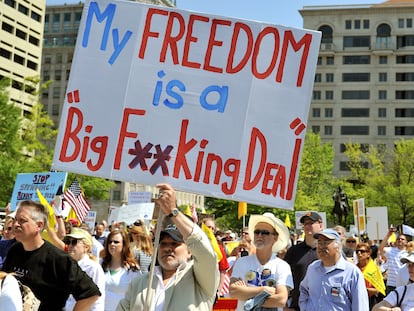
(174, 212)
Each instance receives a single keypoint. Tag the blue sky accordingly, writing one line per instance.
(282, 12)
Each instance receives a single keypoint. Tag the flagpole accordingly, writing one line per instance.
(153, 260)
(244, 221)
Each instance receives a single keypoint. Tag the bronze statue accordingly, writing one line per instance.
(341, 206)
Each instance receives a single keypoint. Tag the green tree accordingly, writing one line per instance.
(10, 143)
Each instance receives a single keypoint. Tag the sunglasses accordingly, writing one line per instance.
(361, 251)
(72, 242)
(350, 241)
(262, 232)
(245, 233)
(138, 223)
(114, 242)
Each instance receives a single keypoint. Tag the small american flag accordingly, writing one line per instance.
(74, 196)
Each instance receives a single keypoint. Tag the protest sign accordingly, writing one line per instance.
(212, 105)
(130, 213)
(139, 197)
(26, 184)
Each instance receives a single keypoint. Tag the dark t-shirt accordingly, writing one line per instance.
(299, 257)
(51, 274)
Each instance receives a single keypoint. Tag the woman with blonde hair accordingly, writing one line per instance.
(141, 244)
(120, 267)
(79, 243)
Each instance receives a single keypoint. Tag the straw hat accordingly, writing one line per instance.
(277, 224)
(80, 234)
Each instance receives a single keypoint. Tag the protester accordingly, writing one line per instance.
(80, 246)
(50, 273)
(393, 256)
(187, 275)
(8, 229)
(246, 236)
(10, 295)
(120, 267)
(141, 244)
(332, 283)
(223, 265)
(400, 299)
(369, 269)
(301, 255)
(263, 278)
(100, 235)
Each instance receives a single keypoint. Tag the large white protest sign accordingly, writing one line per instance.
(130, 213)
(209, 104)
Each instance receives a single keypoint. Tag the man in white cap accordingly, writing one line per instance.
(332, 283)
(301, 255)
(401, 296)
(263, 279)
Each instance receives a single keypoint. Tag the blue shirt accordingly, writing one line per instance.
(4, 249)
(337, 288)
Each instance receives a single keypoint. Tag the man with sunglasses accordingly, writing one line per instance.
(50, 273)
(263, 279)
(393, 255)
(301, 255)
(332, 282)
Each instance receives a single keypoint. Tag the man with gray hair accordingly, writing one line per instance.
(332, 283)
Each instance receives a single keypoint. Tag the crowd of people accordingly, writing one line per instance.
(264, 267)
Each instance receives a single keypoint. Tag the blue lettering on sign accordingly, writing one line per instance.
(107, 15)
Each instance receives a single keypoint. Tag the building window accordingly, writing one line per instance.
(356, 77)
(404, 76)
(383, 60)
(319, 60)
(354, 130)
(382, 94)
(55, 109)
(357, 41)
(21, 34)
(7, 27)
(329, 77)
(318, 78)
(56, 92)
(33, 40)
(4, 53)
(58, 75)
(409, 23)
(46, 75)
(328, 112)
(23, 9)
(35, 16)
(316, 95)
(404, 130)
(316, 112)
(31, 65)
(382, 130)
(348, 24)
(356, 60)
(405, 59)
(11, 3)
(355, 112)
(116, 195)
(404, 112)
(358, 94)
(344, 166)
(382, 77)
(366, 23)
(330, 60)
(403, 41)
(316, 129)
(328, 129)
(382, 112)
(18, 59)
(357, 24)
(404, 94)
(400, 23)
(329, 95)
(326, 34)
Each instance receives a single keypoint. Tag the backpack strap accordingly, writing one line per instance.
(399, 302)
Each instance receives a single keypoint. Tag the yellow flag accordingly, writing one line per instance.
(287, 221)
(51, 219)
(213, 241)
(392, 238)
(187, 211)
(242, 211)
(72, 215)
(373, 275)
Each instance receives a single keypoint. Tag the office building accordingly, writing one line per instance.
(21, 35)
(364, 90)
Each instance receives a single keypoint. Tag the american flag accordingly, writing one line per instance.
(74, 196)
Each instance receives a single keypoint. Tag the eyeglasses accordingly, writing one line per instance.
(350, 241)
(361, 251)
(113, 241)
(72, 242)
(262, 232)
(9, 228)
